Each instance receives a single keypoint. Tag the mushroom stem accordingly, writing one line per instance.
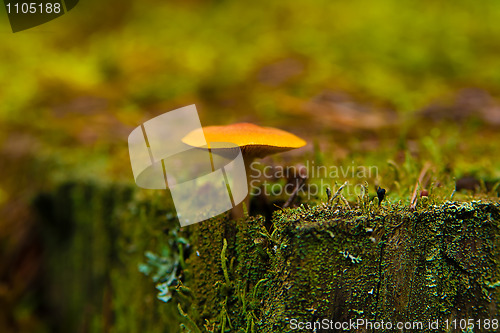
(238, 212)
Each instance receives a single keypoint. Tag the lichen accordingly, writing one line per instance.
(391, 264)
(439, 261)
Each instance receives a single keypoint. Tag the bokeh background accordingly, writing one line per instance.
(360, 80)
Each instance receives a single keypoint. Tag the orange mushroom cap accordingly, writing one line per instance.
(253, 140)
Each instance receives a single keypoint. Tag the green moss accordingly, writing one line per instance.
(326, 261)
(391, 264)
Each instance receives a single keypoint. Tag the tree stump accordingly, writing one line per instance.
(314, 267)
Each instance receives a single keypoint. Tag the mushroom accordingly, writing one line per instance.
(254, 142)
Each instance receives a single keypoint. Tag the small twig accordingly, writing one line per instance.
(295, 191)
(279, 207)
(345, 201)
(413, 202)
(338, 192)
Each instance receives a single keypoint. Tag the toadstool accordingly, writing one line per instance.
(254, 141)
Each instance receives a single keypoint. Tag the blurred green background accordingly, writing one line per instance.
(360, 80)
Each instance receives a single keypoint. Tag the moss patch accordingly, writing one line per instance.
(327, 261)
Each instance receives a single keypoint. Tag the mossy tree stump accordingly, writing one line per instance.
(379, 264)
